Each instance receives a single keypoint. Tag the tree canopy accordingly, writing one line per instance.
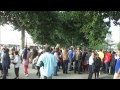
(85, 28)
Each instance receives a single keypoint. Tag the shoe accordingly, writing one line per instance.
(26, 75)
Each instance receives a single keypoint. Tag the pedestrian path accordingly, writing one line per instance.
(70, 75)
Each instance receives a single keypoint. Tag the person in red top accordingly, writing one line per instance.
(109, 56)
(107, 59)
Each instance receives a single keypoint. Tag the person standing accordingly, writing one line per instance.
(91, 65)
(77, 61)
(101, 55)
(47, 63)
(25, 62)
(117, 67)
(112, 64)
(65, 61)
(87, 58)
(36, 60)
(5, 63)
(70, 56)
(97, 65)
(56, 54)
(16, 63)
(2, 53)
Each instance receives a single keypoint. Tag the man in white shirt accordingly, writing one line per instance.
(47, 63)
(91, 61)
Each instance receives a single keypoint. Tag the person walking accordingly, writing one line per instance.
(25, 62)
(77, 61)
(47, 63)
(5, 63)
(65, 61)
(91, 65)
(117, 67)
(97, 65)
(16, 63)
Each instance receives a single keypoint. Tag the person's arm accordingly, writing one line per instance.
(116, 75)
(117, 70)
(55, 63)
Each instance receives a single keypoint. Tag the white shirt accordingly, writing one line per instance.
(17, 61)
(91, 61)
(56, 56)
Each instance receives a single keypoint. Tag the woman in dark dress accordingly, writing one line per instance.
(112, 64)
(97, 65)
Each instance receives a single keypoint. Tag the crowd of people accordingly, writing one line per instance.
(48, 61)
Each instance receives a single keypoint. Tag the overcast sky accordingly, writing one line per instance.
(7, 34)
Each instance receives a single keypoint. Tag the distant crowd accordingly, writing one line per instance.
(48, 61)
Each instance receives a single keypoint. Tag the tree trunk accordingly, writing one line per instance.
(22, 39)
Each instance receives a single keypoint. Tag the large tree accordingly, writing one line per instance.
(67, 27)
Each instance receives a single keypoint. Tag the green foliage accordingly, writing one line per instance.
(86, 28)
(118, 45)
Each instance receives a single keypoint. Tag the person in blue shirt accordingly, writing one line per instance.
(47, 63)
(117, 67)
(70, 56)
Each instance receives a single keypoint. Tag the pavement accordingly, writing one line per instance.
(70, 75)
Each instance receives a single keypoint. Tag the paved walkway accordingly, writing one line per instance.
(70, 75)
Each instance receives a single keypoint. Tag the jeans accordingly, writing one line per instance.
(55, 70)
(90, 72)
(70, 65)
(26, 69)
(76, 66)
(5, 70)
(65, 66)
(79, 66)
(106, 67)
(17, 72)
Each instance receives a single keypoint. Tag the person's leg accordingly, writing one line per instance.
(70, 68)
(25, 69)
(75, 67)
(106, 68)
(113, 69)
(55, 71)
(4, 72)
(17, 72)
(110, 69)
(90, 72)
(95, 75)
(79, 67)
(15, 69)
(7, 71)
(64, 66)
(39, 71)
